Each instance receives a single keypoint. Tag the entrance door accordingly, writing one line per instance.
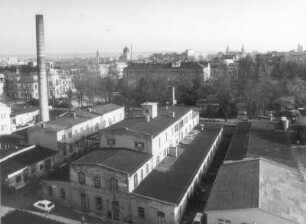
(115, 207)
(83, 202)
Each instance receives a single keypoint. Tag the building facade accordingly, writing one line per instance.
(5, 121)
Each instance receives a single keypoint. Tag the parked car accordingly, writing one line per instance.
(44, 205)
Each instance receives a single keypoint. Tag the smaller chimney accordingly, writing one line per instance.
(74, 114)
(173, 96)
(148, 118)
(172, 113)
(167, 103)
(90, 110)
(43, 125)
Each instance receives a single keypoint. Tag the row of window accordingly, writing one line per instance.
(97, 181)
(81, 131)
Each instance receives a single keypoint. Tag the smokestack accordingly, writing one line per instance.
(42, 74)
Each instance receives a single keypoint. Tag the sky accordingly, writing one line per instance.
(83, 26)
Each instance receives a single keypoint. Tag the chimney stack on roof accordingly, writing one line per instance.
(42, 74)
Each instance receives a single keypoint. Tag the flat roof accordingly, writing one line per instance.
(103, 109)
(25, 159)
(260, 183)
(238, 147)
(169, 181)
(156, 125)
(261, 139)
(122, 159)
(272, 144)
(22, 110)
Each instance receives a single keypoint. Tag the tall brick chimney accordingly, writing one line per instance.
(42, 74)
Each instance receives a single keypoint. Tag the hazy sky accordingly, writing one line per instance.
(73, 26)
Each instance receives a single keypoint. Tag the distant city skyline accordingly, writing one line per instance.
(161, 25)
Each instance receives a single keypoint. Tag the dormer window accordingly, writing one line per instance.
(139, 145)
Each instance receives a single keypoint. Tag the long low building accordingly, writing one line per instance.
(18, 170)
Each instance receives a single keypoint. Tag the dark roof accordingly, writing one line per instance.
(239, 144)
(121, 159)
(170, 180)
(236, 187)
(260, 139)
(273, 144)
(25, 159)
(260, 183)
(156, 125)
(103, 109)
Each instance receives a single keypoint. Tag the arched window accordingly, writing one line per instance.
(81, 176)
(114, 184)
(97, 182)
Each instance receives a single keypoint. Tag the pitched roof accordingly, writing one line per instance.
(170, 179)
(25, 159)
(260, 183)
(156, 125)
(125, 160)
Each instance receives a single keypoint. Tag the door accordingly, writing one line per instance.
(115, 208)
(83, 202)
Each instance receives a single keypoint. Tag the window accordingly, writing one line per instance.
(166, 136)
(139, 145)
(176, 128)
(63, 138)
(223, 221)
(160, 217)
(63, 194)
(50, 191)
(135, 180)
(147, 168)
(159, 141)
(141, 174)
(81, 177)
(33, 169)
(97, 127)
(114, 184)
(157, 160)
(97, 182)
(141, 212)
(70, 134)
(18, 178)
(64, 151)
(99, 204)
(111, 142)
(70, 148)
(41, 166)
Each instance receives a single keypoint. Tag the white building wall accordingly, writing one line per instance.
(5, 121)
(251, 216)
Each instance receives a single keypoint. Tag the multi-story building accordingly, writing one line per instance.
(140, 174)
(5, 121)
(23, 116)
(61, 133)
(171, 71)
(23, 83)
